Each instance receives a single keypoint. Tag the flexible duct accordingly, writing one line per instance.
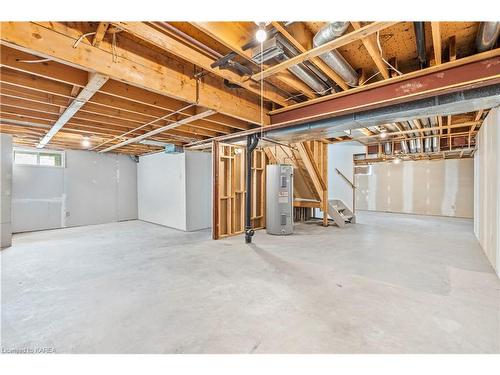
(299, 70)
(334, 59)
(404, 147)
(487, 35)
(388, 148)
(427, 140)
(435, 140)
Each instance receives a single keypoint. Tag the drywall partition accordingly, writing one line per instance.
(175, 190)
(340, 156)
(5, 190)
(92, 188)
(487, 188)
(198, 190)
(430, 187)
(161, 189)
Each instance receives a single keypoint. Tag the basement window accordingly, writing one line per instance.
(43, 158)
(363, 169)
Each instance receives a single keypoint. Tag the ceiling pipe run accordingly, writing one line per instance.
(487, 35)
(334, 59)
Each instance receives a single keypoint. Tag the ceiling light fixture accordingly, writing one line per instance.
(261, 34)
(86, 142)
(383, 134)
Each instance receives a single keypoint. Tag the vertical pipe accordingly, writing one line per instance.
(420, 39)
(252, 141)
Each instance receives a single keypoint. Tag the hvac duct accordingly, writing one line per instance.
(334, 59)
(435, 140)
(404, 147)
(413, 146)
(487, 35)
(427, 140)
(388, 148)
(281, 50)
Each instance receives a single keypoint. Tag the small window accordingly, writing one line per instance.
(43, 158)
(363, 169)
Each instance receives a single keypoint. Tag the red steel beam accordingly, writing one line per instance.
(426, 84)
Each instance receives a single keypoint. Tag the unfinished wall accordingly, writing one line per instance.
(5, 190)
(437, 187)
(175, 190)
(487, 188)
(92, 189)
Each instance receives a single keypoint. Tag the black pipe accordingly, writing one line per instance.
(252, 142)
(420, 40)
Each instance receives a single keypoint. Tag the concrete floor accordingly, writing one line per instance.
(389, 284)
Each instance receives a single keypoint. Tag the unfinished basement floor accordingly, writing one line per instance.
(389, 284)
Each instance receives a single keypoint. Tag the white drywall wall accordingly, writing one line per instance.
(198, 190)
(487, 188)
(5, 190)
(175, 190)
(92, 189)
(161, 189)
(430, 187)
(340, 156)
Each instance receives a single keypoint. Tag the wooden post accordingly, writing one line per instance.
(325, 179)
(215, 190)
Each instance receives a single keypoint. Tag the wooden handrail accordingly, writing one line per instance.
(346, 179)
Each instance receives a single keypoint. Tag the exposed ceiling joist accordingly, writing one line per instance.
(371, 46)
(160, 79)
(169, 44)
(436, 42)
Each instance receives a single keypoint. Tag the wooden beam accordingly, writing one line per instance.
(161, 79)
(171, 45)
(371, 46)
(436, 41)
(100, 32)
(365, 31)
(315, 60)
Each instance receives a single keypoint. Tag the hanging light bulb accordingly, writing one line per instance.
(261, 34)
(383, 134)
(85, 142)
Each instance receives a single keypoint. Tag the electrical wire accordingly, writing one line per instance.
(33, 61)
(81, 38)
(382, 55)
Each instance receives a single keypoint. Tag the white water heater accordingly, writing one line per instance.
(279, 199)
